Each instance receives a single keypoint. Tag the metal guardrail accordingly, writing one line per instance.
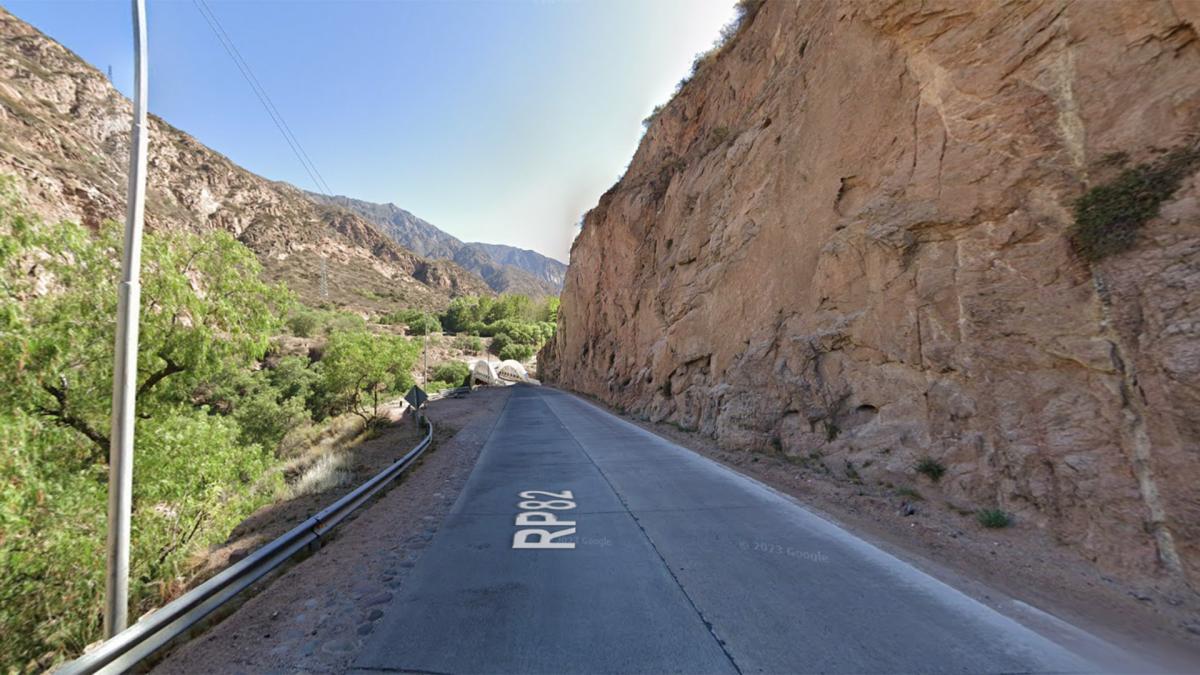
(127, 648)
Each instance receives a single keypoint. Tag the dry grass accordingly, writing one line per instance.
(327, 473)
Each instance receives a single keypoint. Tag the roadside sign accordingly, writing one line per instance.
(416, 397)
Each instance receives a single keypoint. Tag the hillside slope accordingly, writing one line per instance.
(503, 272)
(64, 138)
(846, 240)
(544, 268)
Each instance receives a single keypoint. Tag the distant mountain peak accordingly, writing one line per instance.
(506, 269)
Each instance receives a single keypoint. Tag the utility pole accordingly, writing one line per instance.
(120, 449)
(425, 372)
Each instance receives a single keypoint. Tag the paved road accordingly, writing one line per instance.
(678, 565)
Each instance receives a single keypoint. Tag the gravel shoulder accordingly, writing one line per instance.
(315, 615)
(1050, 583)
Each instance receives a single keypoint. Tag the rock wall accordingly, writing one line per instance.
(846, 239)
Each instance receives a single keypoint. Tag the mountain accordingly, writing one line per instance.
(505, 269)
(870, 236)
(416, 234)
(546, 269)
(64, 142)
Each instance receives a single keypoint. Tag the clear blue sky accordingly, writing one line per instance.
(496, 121)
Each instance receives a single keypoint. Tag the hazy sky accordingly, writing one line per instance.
(496, 121)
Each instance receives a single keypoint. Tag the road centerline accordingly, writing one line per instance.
(708, 624)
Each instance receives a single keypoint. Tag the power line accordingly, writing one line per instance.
(260, 92)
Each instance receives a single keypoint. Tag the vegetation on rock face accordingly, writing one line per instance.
(1109, 216)
(993, 518)
(745, 10)
(931, 467)
(213, 409)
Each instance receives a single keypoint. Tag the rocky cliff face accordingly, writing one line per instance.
(505, 269)
(64, 138)
(846, 239)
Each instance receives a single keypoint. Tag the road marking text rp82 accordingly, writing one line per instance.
(541, 509)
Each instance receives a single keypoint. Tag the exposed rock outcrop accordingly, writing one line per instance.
(64, 136)
(848, 235)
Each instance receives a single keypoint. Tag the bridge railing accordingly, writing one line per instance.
(153, 631)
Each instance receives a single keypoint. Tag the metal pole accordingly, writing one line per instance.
(120, 451)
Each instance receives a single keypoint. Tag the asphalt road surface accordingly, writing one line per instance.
(676, 564)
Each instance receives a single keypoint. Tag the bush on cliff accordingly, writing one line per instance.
(1109, 216)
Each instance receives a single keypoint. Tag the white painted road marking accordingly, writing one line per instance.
(540, 511)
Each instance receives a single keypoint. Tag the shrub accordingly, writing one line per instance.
(452, 371)
(468, 343)
(517, 352)
(522, 332)
(304, 323)
(1108, 217)
(424, 325)
(343, 322)
(264, 417)
(416, 322)
(932, 468)
(293, 377)
(649, 119)
(993, 518)
(500, 341)
(910, 493)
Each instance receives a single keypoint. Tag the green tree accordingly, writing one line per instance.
(203, 310)
(424, 324)
(205, 314)
(549, 310)
(500, 341)
(462, 312)
(518, 352)
(415, 321)
(511, 306)
(451, 371)
(360, 370)
(520, 332)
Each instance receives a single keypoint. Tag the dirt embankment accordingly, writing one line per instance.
(315, 615)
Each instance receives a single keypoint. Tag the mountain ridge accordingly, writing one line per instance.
(64, 133)
(506, 269)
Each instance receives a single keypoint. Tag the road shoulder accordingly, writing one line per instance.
(1018, 572)
(316, 615)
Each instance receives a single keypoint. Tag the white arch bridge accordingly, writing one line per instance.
(500, 373)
